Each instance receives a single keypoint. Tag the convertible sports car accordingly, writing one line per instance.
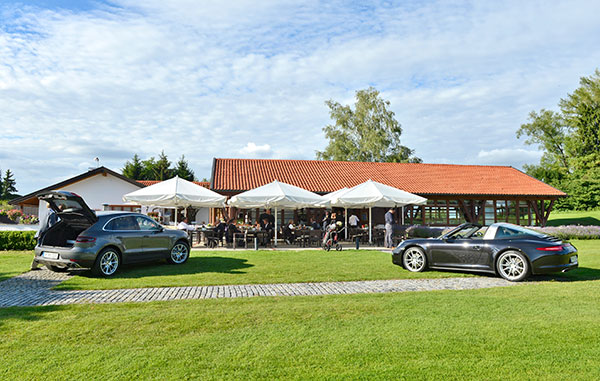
(511, 251)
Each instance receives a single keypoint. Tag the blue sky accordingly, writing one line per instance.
(86, 79)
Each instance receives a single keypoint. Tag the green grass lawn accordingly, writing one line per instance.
(263, 266)
(546, 330)
(574, 218)
(14, 263)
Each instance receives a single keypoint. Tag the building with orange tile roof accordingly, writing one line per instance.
(456, 193)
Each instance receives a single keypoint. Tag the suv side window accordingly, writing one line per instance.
(123, 223)
(146, 224)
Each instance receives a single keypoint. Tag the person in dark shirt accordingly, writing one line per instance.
(326, 220)
(314, 224)
(267, 216)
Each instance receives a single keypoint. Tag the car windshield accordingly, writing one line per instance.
(475, 232)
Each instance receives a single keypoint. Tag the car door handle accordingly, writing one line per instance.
(477, 247)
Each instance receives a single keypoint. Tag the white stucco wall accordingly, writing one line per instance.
(95, 191)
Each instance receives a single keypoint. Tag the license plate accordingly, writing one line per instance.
(50, 255)
(573, 259)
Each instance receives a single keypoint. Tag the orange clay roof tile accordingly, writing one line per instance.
(328, 176)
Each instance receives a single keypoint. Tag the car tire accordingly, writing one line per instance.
(512, 266)
(107, 262)
(414, 259)
(180, 252)
(56, 269)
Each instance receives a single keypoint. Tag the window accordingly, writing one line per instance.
(512, 212)
(516, 231)
(122, 223)
(500, 210)
(489, 213)
(147, 224)
(455, 214)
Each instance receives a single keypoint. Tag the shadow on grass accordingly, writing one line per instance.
(574, 221)
(577, 275)
(26, 314)
(194, 265)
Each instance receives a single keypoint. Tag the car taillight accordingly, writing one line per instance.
(550, 248)
(84, 239)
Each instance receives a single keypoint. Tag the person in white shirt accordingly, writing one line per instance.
(353, 221)
(183, 225)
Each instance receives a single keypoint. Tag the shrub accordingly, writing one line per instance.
(571, 231)
(17, 240)
(29, 219)
(14, 214)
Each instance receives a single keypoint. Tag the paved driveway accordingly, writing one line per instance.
(34, 289)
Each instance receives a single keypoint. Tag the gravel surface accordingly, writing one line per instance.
(34, 289)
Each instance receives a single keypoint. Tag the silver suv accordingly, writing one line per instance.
(103, 241)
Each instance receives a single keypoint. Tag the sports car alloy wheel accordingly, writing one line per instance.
(179, 253)
(109, 262)
(513, 266)
(414, 259)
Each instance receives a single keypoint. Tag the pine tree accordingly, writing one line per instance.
(183, 170)
(134, 169)
(8, 185)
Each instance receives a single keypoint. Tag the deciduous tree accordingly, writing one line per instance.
(369, 132)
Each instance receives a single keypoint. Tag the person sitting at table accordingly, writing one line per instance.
(288, 233)
(231, 229)
(268, 227)
(314, 224)
(220, 229)
(183, 225)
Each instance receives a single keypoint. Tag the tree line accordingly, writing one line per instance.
(157, 169)
(570, 140)
(8, 184)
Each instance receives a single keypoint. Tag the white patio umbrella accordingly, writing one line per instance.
(174, 193)
(277, 195)
(373, 194)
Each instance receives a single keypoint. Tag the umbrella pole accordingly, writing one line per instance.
(402, 214)
(370, 229)
(175, 216)
(346, 225)
(275, 227)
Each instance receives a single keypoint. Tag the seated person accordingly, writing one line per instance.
(314, 224)
(268, 227)
(288, 233)
(220, 228)
(183, 225)
(231, 230)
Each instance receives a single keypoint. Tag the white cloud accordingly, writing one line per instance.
(514, 157)
(251, 149)
(204, 79)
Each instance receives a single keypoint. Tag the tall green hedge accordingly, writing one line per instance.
(17, 240)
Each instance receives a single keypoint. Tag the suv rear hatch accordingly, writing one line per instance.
(74, 217)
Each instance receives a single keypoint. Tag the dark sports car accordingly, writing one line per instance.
(511, 251)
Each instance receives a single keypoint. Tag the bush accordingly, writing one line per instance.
(571, 231)
(17, 240)
(14, 214)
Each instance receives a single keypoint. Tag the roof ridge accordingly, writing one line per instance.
(361, 162)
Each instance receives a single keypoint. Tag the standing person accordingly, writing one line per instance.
(45, 225)
(268, 217)
(353, 221)
(389, 228)
(326, 220)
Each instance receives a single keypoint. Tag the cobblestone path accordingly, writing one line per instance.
(33, 289)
